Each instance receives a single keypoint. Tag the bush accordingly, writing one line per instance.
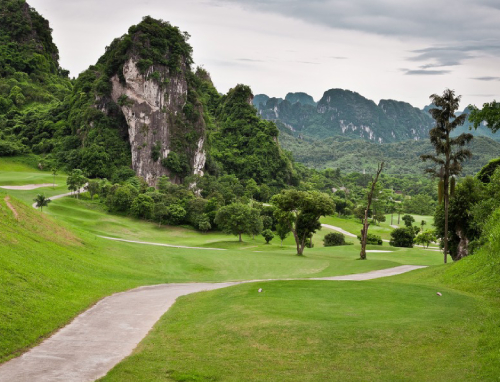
(372, 239)
(268, 235)
(333, 239)
(402, 237)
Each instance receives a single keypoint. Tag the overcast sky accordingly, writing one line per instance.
(403, 50)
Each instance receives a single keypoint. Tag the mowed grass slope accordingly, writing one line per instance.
(16, 172)
(391, 329)
(50, 272)
(314, 331)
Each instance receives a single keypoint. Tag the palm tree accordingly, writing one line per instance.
(447, 161)
(41, 201)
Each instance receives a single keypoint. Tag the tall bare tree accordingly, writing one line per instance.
(364, 230)
(449, 151)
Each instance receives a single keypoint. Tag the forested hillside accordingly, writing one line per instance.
(359, 155)
(140, 107)
(32, 84)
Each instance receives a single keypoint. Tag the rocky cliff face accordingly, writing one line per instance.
(153, 104)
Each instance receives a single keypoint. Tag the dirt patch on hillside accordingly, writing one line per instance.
(11, 207)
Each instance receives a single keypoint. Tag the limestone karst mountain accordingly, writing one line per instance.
(345, 113)
(141, 107)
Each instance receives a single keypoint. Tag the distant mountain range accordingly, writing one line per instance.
(343, 113)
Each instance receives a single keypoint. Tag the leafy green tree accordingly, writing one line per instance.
(490, 113)
(93, 188)
(282, 230)
(420, 205)
(469, 193)
(300, 211)
(41, 201)
(120, 199)
(487, 171)
(422, 223)
(175, 214)
(234, 219)
(449, 150)
(252, 189)
(75, 181)
(409, 220)
(160, 213)
(142, 206)
(255, 224)
(372, 239)
(268, 235)
(204, 223)
(267, 222)
(425, 238)
(402, 237)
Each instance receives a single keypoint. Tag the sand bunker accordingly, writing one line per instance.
(27, 186)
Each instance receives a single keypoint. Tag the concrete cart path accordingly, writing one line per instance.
(95, 341)
(338, 229)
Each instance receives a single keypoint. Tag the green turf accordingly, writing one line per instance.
(382, 229)
(52, 268)
(314, 331)
(54, 272)
(17, 173)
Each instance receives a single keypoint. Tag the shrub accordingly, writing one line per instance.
(268, 235)
(372, 239)
(402, 237)
(333, 239)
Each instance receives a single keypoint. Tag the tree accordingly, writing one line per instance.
(490, 113)
(373, 239)
(422, 223)
(469, 193)
(425, 238)
(300, 211)
(142, 206)
(54, 173)
(283, 230)
(234, 219)
(402, 237)
(93, 188)
(255, 225)
(160, 213)
(447, 159)
(41, 201)
(268, 235)
(75, 181)
(408, 219)
(175, 214)
(204, 223)
(364, 230)
(399, 210)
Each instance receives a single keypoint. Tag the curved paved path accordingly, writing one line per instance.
(98, 339)
(338, 229)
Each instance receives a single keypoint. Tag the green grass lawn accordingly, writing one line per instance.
(315, 331)
(383, 229)
(15, 172)
(55, 269)
(53, 266)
